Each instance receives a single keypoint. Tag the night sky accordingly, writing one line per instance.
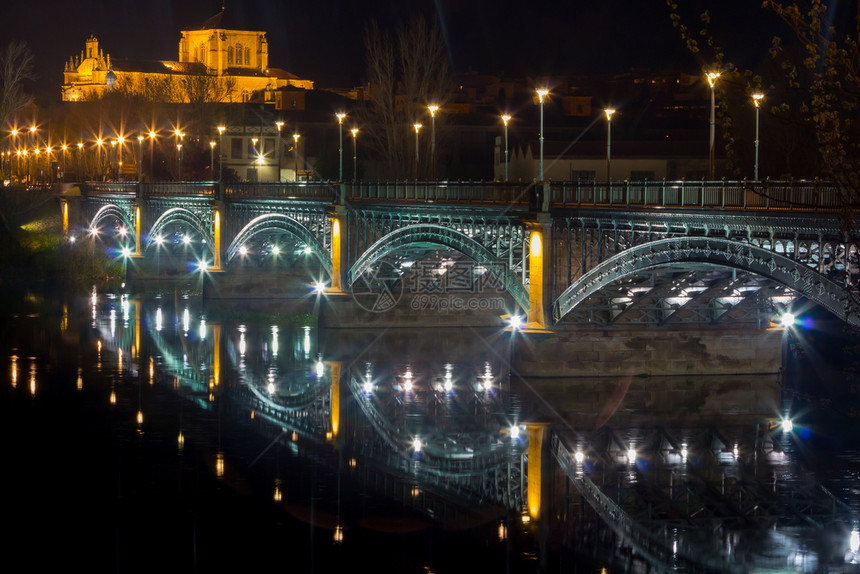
(322, 39)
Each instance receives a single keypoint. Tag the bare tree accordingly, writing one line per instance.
(16, 68)
(406, 72)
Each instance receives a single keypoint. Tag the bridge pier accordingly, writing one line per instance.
(541, 274)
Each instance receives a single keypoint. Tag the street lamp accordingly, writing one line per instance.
(280, 124)
(140, 139)
(506, 118)
(221, 151)
(120, 141)
(712, 80)
(608, 112)
(542, 93)
(99, 143)
(212, 160)
(417, 129)
(179, 162)
(296, 153)
(80, 151)
(64, 148)
(152, 135)
(340, 117)
(113, 157)
(433, 108)
(757, 98)
(354, 132)
(32, 138)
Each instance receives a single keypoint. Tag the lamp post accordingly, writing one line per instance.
(280, 124)
(221, 151)
(256, 155)
(296, 153)
(113, 157)
(151, 150)
(179, 135)
(608, 112)
(340, 117)
(712, 80)
(433, 108)
(36, 166)
(120, 141)
(505, 119)
(64, 148)
(80, 151)
(542, 93)
(757, 98)
(417, 127)
(212, 160)
(354, 132)
(99, 143)
(48, 165)
(32, 139)
(140, 139)
(14, 134)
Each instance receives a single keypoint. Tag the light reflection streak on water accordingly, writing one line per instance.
(274, 341)
(186, 320)
(379, 381)
(14, 371)
(32, 376)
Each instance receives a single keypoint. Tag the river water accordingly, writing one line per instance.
(163, 433)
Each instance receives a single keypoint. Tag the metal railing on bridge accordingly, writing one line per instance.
(687, 195)
(767, 195)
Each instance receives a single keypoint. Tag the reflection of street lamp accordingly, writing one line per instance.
(354, 132)
(542, 93)
(340, 117)
(712, 80)
(417, 129)
(280, 124)
(757, 98)
(608, 112)
(506, 118)
(296, 153)
(433, 108)
(221, 152)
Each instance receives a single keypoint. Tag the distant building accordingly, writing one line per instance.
(585, 162)
(215, 64)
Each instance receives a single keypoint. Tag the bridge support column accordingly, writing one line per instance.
(338, 219)
(138, 222)
(540, 274)
(216, 237)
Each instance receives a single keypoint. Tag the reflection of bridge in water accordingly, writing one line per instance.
(435, 429)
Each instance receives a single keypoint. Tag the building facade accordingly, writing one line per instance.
(214, 64)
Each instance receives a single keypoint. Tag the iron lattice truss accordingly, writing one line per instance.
(712, 277)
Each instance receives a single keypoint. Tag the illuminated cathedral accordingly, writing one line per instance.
(215, 64)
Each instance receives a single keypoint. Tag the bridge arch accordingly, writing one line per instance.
(113, 210)
(279, 222)
(424, 233)
(180, 215)
(745, 256)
